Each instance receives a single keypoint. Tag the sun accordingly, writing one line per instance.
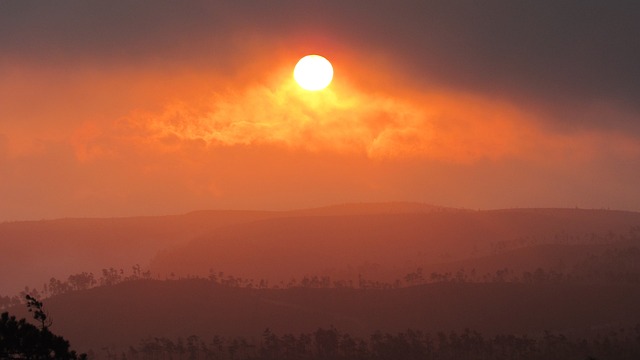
(313, 72)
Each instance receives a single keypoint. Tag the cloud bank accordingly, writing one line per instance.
(140, 107)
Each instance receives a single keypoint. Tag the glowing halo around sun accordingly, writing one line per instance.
(313, 72)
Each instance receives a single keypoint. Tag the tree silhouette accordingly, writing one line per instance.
(39, 314)
(22, 340)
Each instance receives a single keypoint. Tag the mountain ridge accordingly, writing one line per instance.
(32, 252)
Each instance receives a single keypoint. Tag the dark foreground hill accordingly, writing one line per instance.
(120, 315)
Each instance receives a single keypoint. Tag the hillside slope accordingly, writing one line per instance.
(123, 314)
(31, 252)
(381, 240)
(388, 245)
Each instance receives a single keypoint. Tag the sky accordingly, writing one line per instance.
(163, 107)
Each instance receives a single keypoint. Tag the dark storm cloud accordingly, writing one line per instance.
(131, 30)
(76, 30)
(569, 52)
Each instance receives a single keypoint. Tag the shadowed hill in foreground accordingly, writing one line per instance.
(123, 314)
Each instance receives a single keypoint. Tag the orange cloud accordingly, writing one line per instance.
(177, 143)
(179, 110)
(443, 126)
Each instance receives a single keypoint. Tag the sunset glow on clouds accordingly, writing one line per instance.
(450, 127)
(146, 128)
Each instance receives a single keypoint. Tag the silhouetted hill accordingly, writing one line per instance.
(31, 252)
(122, 314)
(370, 208)
(387, 245)
(378, 240)
(555, 257)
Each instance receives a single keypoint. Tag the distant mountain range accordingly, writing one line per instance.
(382, 240)
(386, 245)
(492, 271)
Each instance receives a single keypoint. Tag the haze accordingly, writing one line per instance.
(466, 187)
(133, 108)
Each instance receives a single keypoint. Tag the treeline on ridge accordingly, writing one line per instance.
(612, 266)
(332, 344)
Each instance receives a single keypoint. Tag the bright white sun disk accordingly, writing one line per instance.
(313, 72)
